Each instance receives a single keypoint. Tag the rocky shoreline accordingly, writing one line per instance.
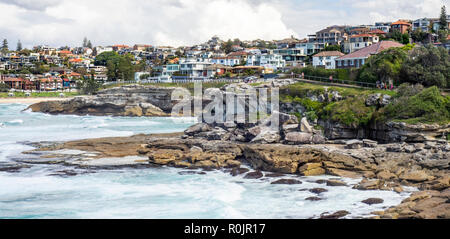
(379, 168)
(385, 156)
(130, 100)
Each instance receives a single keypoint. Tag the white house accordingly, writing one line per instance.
(270, 61)
(101, 49)
(194, 67)
(383, 26)
(226, 61)
(357, 42)
(326, 59)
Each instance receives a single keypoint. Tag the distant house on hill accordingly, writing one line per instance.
(401, 26)
(357, 42)
(326, 59)
(358, 58)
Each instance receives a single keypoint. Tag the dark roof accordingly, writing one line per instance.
(371, 50)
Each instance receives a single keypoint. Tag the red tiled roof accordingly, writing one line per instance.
(9, 79)
(238, 53)
(400, 23)
(51, 80)
(65, 52)
(377, 31)
(360, 30)
(121, 46)
(371, 50)
(74, 74)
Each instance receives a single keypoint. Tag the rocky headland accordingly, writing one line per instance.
(385, 155)
(129, 100)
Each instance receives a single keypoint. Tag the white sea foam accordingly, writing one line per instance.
(153, 192)
(17, 121)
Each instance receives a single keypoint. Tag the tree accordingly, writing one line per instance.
(333, 48)
(405, 38)
(88, 85)
(19, 46)
(443, 34)
(102, 59)
(396, 36)
(227, 46)
(4, 87)
(385, 66)
(85, 42)
(443, 24)
(5, 46)
(94, 51)
(429, 66)
(419, 36)
(89, 44)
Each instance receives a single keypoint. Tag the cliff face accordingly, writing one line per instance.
(130, 100)
(138, 100)
(387, 132)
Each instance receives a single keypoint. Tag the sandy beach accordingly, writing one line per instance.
(29, 100)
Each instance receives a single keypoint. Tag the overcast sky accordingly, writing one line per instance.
(187, 22)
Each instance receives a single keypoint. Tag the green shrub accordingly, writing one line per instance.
(427, 106)
(311, 116)
(342, 74)
(351, 112)
(4, 87)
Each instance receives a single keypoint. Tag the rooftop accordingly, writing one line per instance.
(371, 50)
(401, 23)
(362, 35)
(329, 53)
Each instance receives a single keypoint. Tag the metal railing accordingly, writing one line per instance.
(179, 80)
(332, 80)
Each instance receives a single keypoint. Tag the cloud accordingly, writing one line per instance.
(173, 22)
(307, 17)
(40, 5)
(187, 22)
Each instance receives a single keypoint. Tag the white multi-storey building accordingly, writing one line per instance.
(195, 67)
(270, 61)
(226, 61)
(357, 42)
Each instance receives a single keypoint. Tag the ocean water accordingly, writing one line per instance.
(150, 192)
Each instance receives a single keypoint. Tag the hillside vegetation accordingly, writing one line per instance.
(410, 104)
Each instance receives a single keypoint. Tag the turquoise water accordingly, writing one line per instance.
(150, 192)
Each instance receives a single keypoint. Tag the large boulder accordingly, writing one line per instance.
(197, 128)
(298, 138)
(305, 126)
(354, 144)
(267, 136)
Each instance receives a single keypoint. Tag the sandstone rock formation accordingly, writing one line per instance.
(130, 100)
